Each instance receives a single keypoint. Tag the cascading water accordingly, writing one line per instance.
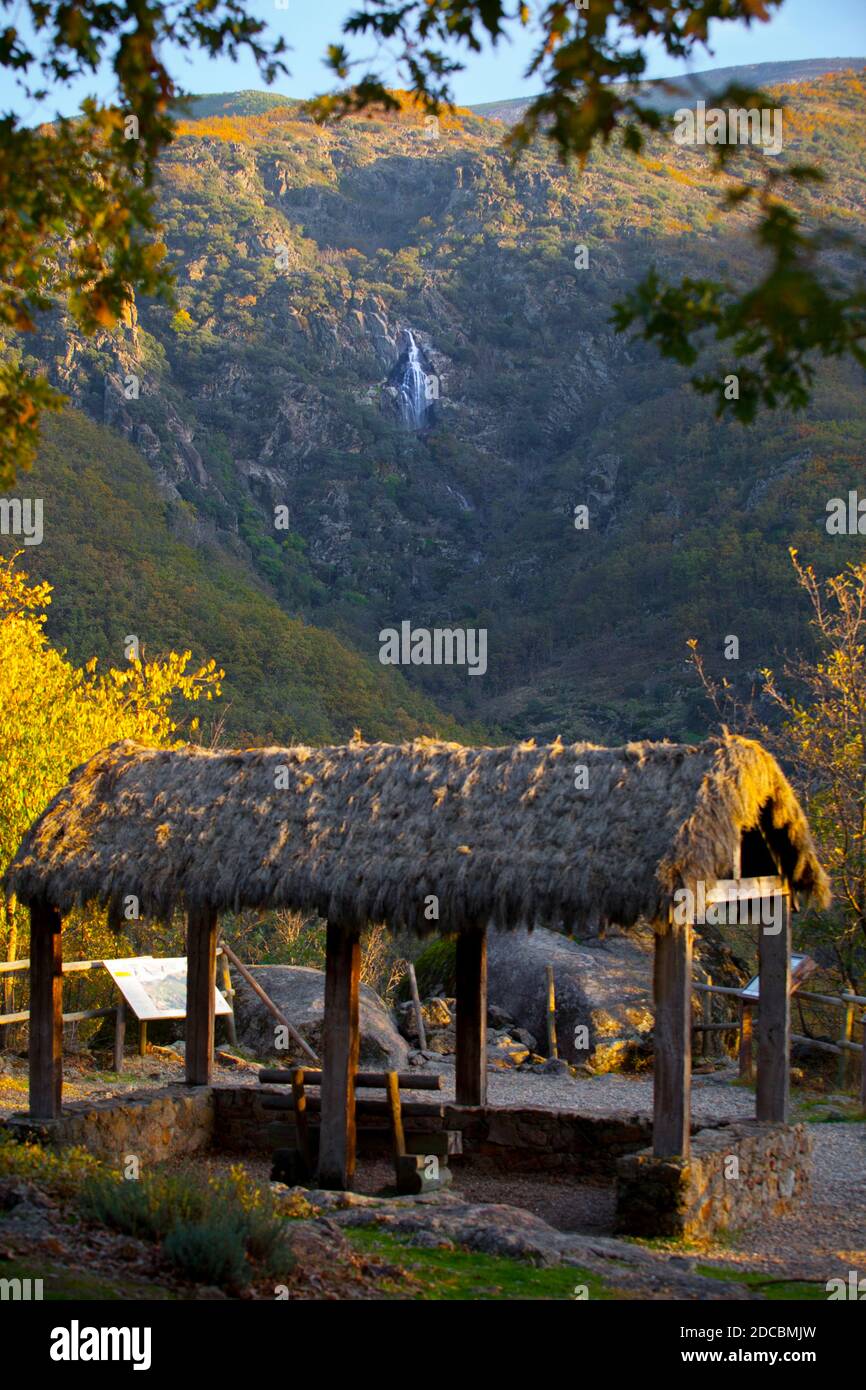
(413, 388)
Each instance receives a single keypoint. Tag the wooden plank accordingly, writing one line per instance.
(672, 1065)
(340, 1057)
(373, 1080)
(46, 1012)
(201, 935)
(774, 1020)
(471, 1062)
(731, 890)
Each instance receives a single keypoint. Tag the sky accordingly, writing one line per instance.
(801, 29)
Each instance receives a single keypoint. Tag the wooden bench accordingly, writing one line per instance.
(420, 1157)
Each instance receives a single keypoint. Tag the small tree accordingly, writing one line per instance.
(821, 740)
(54, 715)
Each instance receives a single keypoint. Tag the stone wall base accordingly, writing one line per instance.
(514, 1139)
(737, 1172)
(151, 1125)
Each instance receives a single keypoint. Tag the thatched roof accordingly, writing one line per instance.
(372, 831)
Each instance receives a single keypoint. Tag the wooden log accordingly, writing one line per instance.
(415, 1109)
(416, 1004)
(269, 1004)
(119, 1035)
(201, 935)
(551, 1013)
(672, 1065)
(373, 1080)
(774, 1019)
(340, 1060)
(471, 1062)
(46, 1012)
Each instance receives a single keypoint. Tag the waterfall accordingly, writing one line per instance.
(413, 387)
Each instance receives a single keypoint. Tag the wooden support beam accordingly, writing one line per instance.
(774, 1015)
(672, 1064)
(201, 937)
(46, 1012)
(471, 1061)
(340, 1050)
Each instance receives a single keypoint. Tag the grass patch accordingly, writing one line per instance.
(60, 1284)
(782, 1289)
(444, 1275)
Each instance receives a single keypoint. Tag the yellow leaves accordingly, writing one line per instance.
(54, 715)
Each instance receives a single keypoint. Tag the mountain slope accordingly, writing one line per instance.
(310, 260)
(118, 570)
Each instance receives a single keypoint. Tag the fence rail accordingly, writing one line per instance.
(742, 1025)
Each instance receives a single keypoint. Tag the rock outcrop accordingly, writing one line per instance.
(299, 993)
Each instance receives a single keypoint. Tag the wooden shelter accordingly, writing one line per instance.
(573, 836)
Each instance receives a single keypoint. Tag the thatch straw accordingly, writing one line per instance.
(373, 831)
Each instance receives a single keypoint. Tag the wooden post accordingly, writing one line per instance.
(551, 1013)
(340, 1050)
(471, 1064)
(398, 1138)
(119, 1035)
(745, 1052)
(302, 1128)
(672, 1064)
(201, 935)
(843, 1065)
(863, 1067)
(228, 991)
(774, 1017)
(46, 1012)
(142, 1037)
(416, 1005)
(708, 1044)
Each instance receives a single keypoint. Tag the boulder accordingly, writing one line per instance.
(299, 994)
(604, 987)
